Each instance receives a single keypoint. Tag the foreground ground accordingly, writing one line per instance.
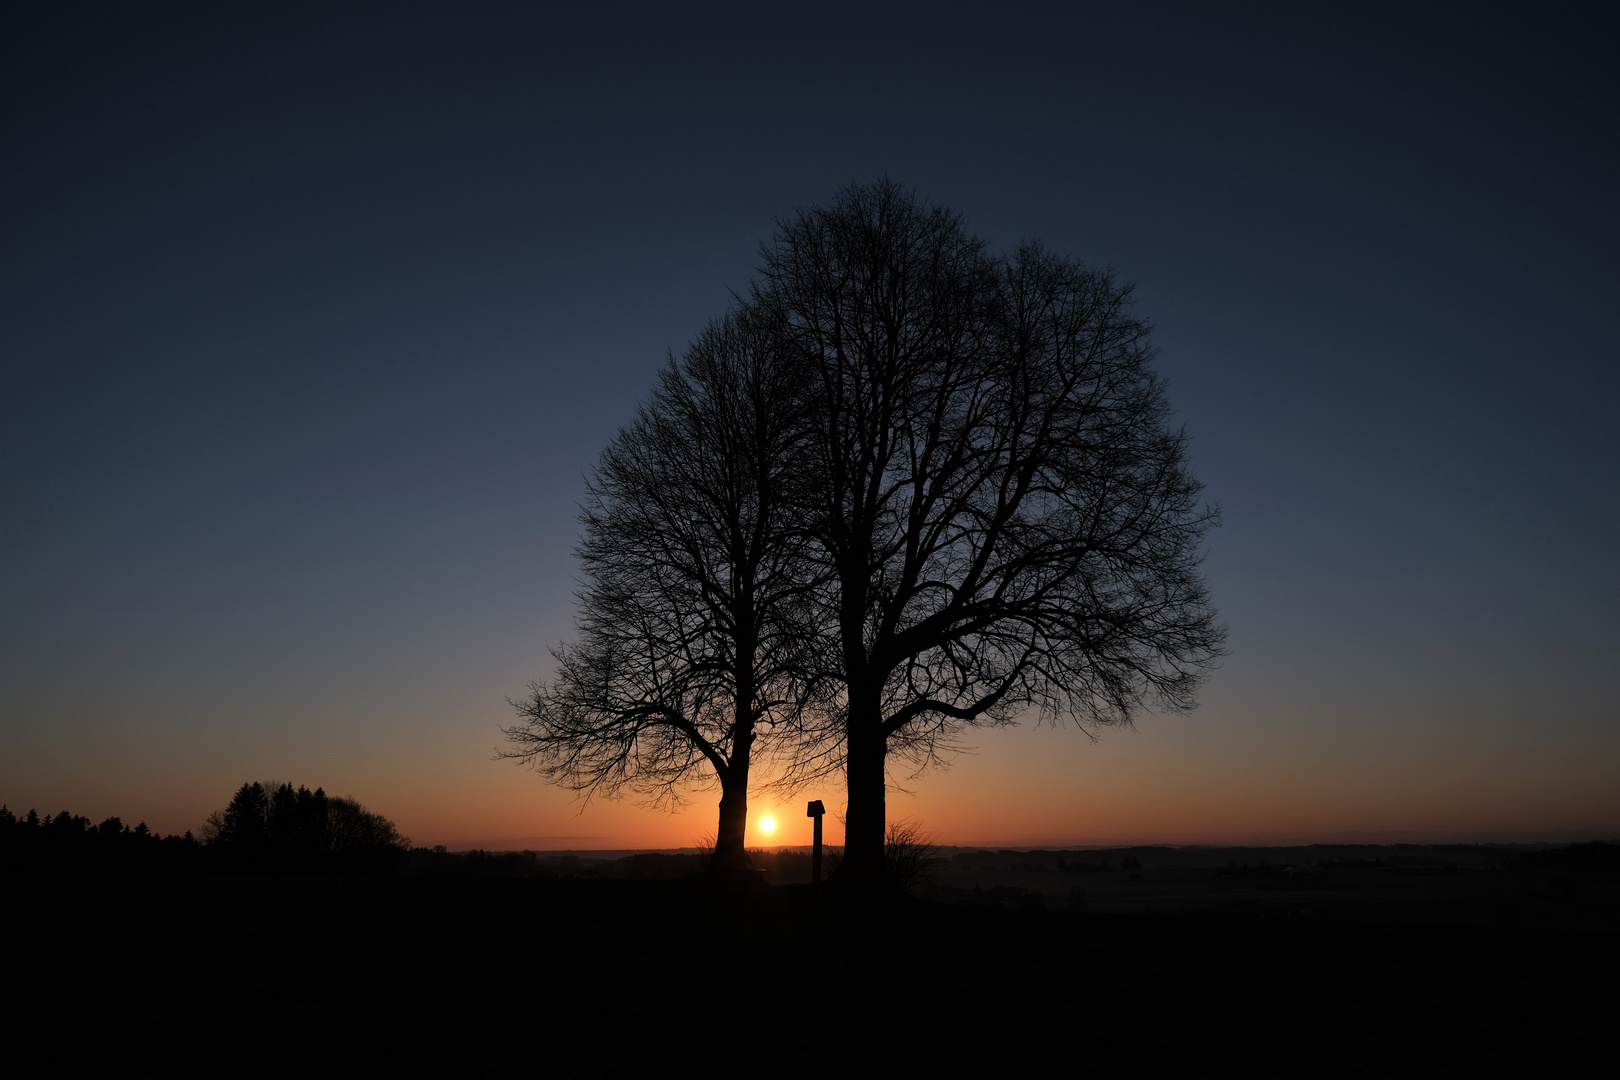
(270, 976)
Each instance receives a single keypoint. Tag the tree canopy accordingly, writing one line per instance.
(908, 486)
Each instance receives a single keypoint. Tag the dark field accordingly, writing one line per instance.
(1575, 887)
(1498, 886)
(1358, 970)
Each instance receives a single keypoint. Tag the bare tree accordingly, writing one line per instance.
(352, 828)
(1006, 518)
(691, 638)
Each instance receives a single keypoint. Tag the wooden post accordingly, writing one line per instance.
(815, 810)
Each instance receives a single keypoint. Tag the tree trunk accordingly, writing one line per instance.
(730, 854)
(865, 815)
(729, 851)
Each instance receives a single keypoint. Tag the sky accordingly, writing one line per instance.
(315, 318)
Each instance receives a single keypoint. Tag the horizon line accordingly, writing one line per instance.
(1387, 838)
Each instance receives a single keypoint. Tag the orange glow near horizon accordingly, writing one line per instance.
(1216, 777)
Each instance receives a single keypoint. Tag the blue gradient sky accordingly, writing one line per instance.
(313, 320)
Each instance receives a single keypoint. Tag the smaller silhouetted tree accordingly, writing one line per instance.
(353, 828)
(689, 665)
(244, 827)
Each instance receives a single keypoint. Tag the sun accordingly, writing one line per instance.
(767, 824)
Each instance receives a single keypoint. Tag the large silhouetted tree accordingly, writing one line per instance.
(1004, 514)
(691, 642)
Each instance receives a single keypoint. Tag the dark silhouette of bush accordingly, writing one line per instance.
(908, 857)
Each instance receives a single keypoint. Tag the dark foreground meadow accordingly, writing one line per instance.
(494, 974)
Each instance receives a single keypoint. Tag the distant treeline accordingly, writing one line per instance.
(1595, 856)
(267, 828)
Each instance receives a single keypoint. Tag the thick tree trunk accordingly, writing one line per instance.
(730, 854)
(865, 816)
